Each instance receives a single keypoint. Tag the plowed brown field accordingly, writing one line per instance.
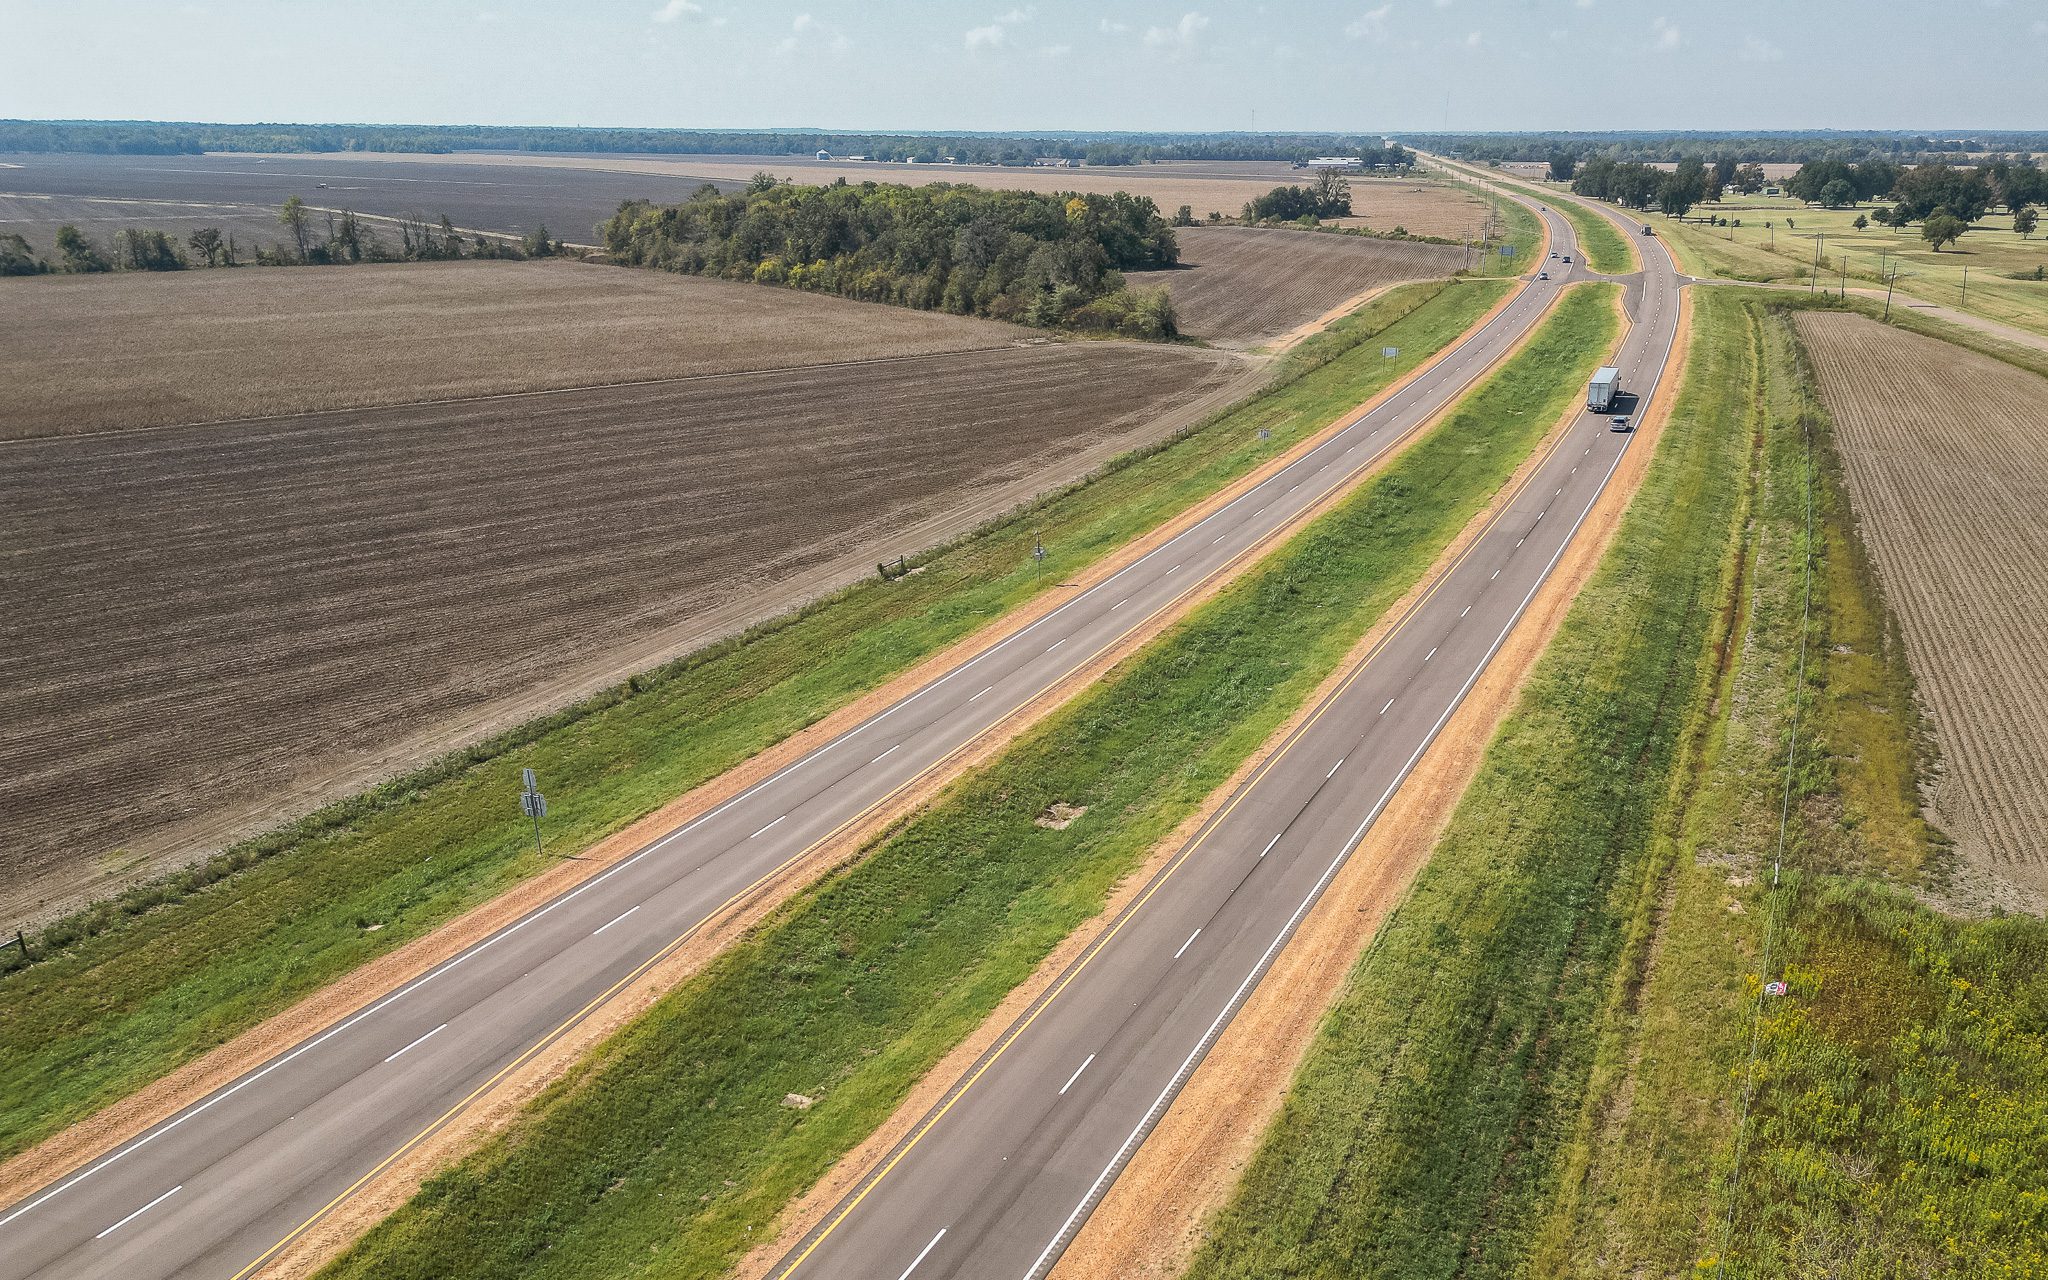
(1240, 286)
(202, 618)
(89, 353)
(1947, 456)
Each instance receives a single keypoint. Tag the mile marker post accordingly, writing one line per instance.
(533, 804)
(1037, 557)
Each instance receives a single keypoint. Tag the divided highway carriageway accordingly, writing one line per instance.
(220, 1188)
(997, 1178)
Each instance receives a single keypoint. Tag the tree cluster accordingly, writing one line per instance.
(1835, 184)
(1639, 186)
(334, 239)
(1031, 257)
(1329, 196)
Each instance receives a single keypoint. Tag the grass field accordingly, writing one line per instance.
(1240, 286)
(672, 1144)
(1542, 1065)
(205, 345)
(131, 989)
(1422, 1132)
(1784, 251)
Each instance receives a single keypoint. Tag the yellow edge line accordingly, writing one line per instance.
(1180, 859)
(1305, 515)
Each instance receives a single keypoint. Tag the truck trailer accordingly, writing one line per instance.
(1602, 390)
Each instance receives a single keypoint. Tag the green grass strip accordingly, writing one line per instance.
(670, 1150)
(1421, 1133)
(156, 978)
(131, 990)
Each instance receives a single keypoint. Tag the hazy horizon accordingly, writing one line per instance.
(890, 66)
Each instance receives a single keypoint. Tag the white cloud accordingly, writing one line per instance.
(1370, 25)
(1057, 50)
(1178, 38)
(1758, 49)
(2040, 27)
(677, 9)
(1585, 4)
(1113, 28)
(803, 22)
(987, 37)
(1667, 35)
(1441, 4)
(1473, 39)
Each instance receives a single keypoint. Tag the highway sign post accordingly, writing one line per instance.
(1388, 353)
(533, 804)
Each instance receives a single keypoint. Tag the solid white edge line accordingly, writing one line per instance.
(1090, 1058)
(1471, 342)
(139, 1212)
(417, 1043)
(1208, 1037)
(921, 1252)
(615, 919)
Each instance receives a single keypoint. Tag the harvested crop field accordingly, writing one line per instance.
(211, 624)
(1240, 286)
(199, 346)
(1947, 458)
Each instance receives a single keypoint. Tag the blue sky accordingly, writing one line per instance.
(1170, 64)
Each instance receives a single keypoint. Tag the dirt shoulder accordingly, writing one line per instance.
(133, 1116)
(1150, 1222)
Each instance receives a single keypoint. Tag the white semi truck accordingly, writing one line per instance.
(1602, 390)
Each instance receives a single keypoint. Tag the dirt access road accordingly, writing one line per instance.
(386, 1077)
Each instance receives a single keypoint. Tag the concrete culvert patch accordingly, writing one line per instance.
(800, 1101)
(1059, 815)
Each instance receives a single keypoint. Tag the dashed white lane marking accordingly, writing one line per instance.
(615, 919)
(977, 697)
(1270, 843)
(1496, 574)
(1383, 710)
(1119, 604)
(1467, 609)
(786, 815)
(1172, 571)
(1431, 654)
(417, 1043)
(1091, 1057)
(139, 1212)
(1218, 538)
(920, 1254)
(1057, 643)
(886, 754)
(1333, 769)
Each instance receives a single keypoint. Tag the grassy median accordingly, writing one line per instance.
(1421, 1133)
(130, 990)
(670, 1148)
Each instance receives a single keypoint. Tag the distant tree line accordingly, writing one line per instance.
(329, 239)
(1768, 147)
(1035, 258)
(135, 137)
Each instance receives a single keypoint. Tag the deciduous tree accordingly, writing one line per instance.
(1942, 228)
(78, 252)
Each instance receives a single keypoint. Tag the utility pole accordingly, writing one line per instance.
(1966, 286)
(1037, 557)
(22, 942)
(1845, 277)
(1815, 282)
(1890, 282)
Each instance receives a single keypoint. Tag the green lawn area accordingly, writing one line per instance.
(1784, 250)
(132, 989)
(669, 1149)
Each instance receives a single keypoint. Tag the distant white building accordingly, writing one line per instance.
(824, 155)
(1336, 162)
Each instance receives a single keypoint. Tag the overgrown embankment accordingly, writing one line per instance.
(125, 992)
(672, 1144)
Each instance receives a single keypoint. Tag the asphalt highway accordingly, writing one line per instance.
(219, 1189)
(997, 1178)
